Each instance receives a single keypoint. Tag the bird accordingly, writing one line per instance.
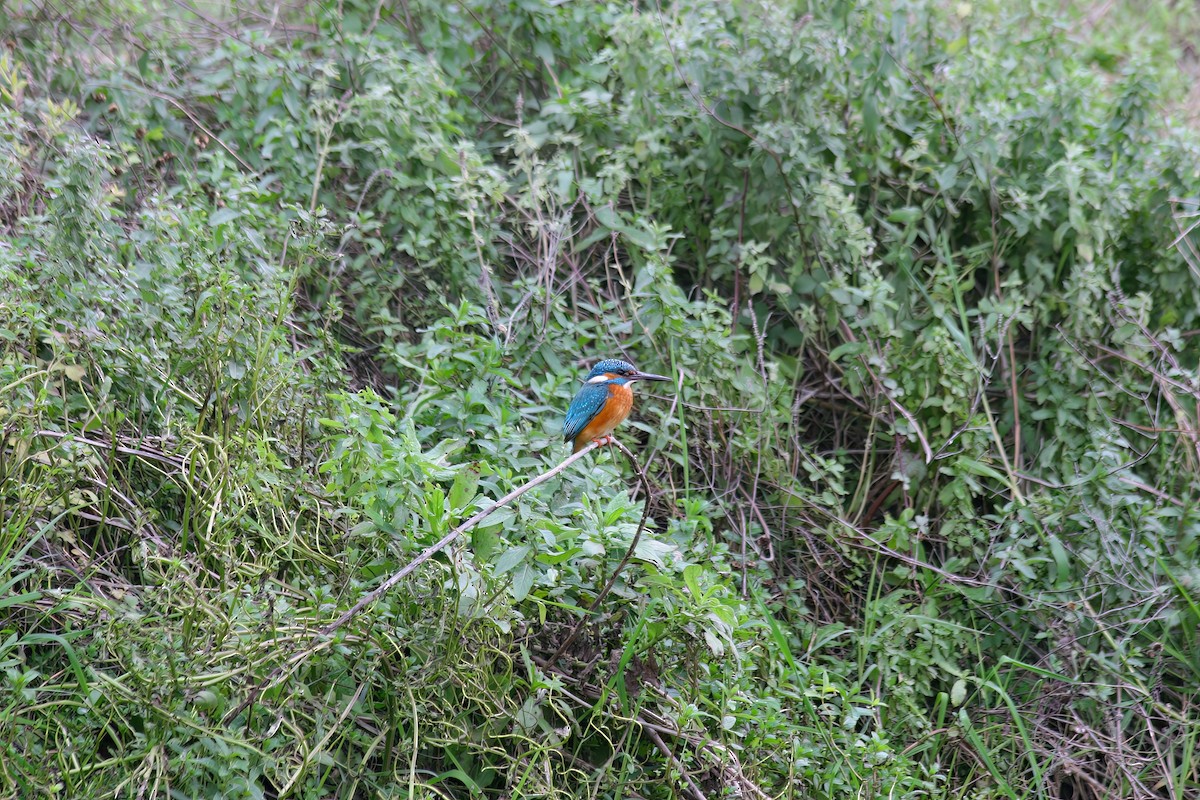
(603, 403)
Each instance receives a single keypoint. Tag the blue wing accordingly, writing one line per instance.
(584, 408)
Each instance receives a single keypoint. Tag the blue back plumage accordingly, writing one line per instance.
(592, 397)
(586, 405)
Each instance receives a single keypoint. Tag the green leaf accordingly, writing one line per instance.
(691, 577)
(511, 558)
(1062, 563)
(906, 215)
(654, 551)
(979, 468)
(522, 581)
(462, 491)
(223, 215)
(847, 349)
(958, 692)
(551, 559)
(607, 217)
(484, 541)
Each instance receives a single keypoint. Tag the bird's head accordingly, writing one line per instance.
(615, 371)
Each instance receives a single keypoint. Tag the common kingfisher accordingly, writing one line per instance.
(603, 403)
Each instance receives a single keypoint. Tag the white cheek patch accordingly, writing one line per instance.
(599, 379)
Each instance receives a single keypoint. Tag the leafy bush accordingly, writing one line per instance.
(289, 293)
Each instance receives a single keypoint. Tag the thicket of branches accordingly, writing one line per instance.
(287, 292)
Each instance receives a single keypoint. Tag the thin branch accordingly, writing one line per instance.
(196, 121)
(485, 272)
(448, 539)
(321, 640)
(912, 421)
(624, 561)
(793, 205)
(666, 751)
(165, 458)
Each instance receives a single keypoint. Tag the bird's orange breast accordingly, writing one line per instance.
(620, 402)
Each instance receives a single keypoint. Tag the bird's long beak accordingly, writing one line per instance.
(646, 376)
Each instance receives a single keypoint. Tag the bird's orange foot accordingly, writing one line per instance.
(603, 440)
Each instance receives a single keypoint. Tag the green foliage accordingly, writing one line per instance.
(288, 293)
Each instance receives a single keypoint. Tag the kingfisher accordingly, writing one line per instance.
(603, 403)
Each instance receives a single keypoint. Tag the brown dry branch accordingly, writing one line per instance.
(1186, 409)
(695, 790)
(904, 412)
(139, 451)
(723, 760)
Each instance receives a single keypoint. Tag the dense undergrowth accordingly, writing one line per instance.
(288, 292)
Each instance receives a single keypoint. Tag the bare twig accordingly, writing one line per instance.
(904, 412)
(666, 751)
(624, 561)
(793, 205)
(485, 272)
(448, 539)
(196, 121)
(164, 458)
(321, 640)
